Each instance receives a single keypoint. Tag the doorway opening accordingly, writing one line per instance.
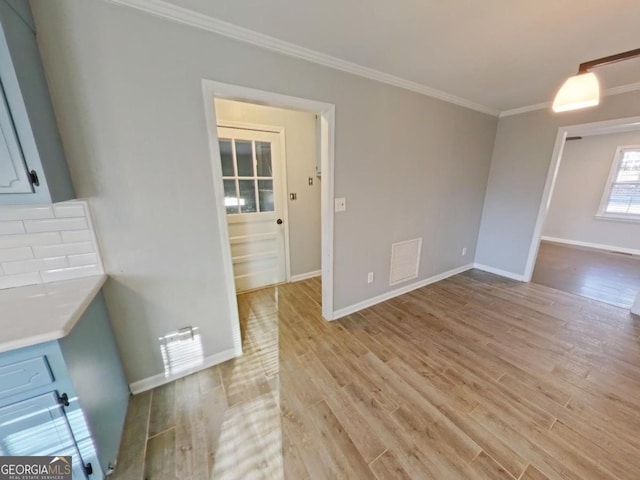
(237, 189)
(272, 192)
(586, 239)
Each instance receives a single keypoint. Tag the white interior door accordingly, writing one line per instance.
(252, 172)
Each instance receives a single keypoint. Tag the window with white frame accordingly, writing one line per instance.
(621, 198)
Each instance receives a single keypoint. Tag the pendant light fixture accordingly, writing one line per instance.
(583, 89)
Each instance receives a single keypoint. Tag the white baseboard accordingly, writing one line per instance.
(305, 276)
(497, 271)
(596, 246)
(343, 312)
(160, 379)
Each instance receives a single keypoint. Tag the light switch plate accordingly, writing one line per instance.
(340, 204)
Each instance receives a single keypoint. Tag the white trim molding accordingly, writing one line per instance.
(150, 383)
(595, 246)
(612, 217)
(185, 16)
(500, 272)
(305, 276)
(343, 312)
(632, 87)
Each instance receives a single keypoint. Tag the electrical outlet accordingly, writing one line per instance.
(340, 204)
(370, 277)
(464, 251)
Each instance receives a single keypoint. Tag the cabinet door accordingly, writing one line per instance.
(38, 426)
(13, 170)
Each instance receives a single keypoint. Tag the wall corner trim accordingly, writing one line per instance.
(169, 11)
(343, 312)
(154, 381)
(498, 271)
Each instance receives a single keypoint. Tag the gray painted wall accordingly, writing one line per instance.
(582, 177)
(300, 140)
(521, 158)
(127, 91)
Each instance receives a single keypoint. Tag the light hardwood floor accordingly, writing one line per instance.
(608, 277)
(222, 423)
(471, 377)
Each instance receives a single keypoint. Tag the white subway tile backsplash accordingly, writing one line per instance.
(69, 273)
(35, 265)
(68, 211)
(44, 251)
(25, 212)
(15, 254)
(56, 225)
(84, 259)
(75, 236)
(9, 228)
(12, 281)
(29, 239)
(47, 243)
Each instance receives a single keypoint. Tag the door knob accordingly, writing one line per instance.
(279, 221)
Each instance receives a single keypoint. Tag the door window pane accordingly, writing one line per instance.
(230, 196)
(265, 190)
(226, 156)
(244, 156)
(247, 196)
(263, 159)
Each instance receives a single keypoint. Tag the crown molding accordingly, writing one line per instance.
(169, 11)
(525, 109)
(632, 87)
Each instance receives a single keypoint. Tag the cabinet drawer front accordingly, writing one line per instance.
(22, 376)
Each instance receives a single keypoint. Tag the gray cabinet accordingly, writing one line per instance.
(66, 397)
(39, 426)
(33, 167)
(14, 177)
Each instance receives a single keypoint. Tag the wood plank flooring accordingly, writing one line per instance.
(608, 277)
(474, 377)
(222, 422)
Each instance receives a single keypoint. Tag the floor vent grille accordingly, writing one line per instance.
(405, 261)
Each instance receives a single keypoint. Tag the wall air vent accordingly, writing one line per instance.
(405, 261)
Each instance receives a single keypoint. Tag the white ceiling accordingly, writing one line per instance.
(498, 53)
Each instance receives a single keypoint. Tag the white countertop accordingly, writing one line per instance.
(39, 313)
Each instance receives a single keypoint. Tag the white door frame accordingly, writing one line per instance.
(584, 130)
(326, 112)
(280, 131)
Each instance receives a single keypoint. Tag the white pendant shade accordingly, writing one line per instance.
(579, 91)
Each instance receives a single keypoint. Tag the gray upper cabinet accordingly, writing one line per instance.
(33, 168)
(14, 177)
